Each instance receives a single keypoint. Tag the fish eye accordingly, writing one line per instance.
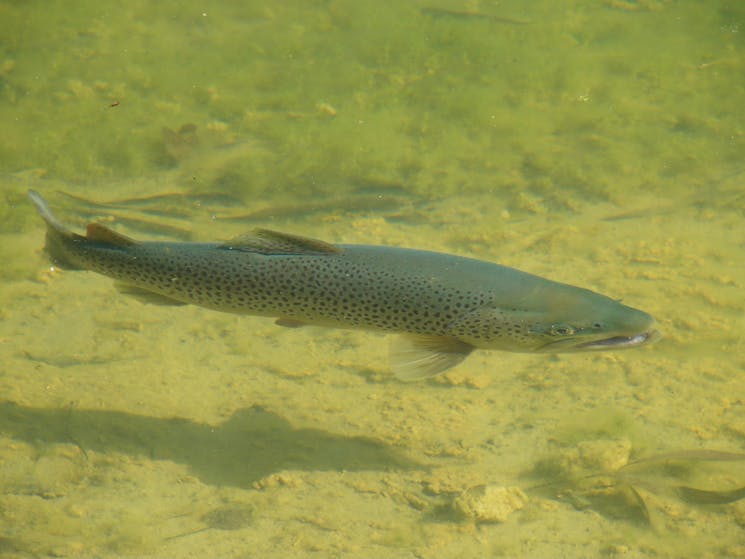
(561, 330)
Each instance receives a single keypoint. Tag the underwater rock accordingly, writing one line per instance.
(607, 455)
(489, 503)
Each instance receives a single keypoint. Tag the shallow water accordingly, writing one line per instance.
(596, 143)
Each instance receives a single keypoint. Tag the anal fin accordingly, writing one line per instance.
(289, 322)
(416, 356)
(145, 296)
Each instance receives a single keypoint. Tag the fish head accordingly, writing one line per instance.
(587, 321)
(556, 320)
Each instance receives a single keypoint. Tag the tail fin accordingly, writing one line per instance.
(64, 247)
(59, 237)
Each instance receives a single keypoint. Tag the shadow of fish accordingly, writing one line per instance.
(444, 306)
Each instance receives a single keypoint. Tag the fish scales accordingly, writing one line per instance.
(444, 305)
(361, 286)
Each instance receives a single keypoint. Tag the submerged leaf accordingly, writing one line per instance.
(616, 494)
(640, 503)
(705, 497)
(700, 455)
(617, 499)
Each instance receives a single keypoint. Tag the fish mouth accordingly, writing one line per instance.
(620, 342)
(609, 343)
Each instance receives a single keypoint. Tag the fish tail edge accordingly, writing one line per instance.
(59, 237)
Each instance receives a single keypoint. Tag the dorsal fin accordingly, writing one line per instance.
(265, 241)
(102, 234)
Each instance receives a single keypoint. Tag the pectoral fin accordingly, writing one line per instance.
(416, 357)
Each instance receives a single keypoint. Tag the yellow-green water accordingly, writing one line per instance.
(597, 143)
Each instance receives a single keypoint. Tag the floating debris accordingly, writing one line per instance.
(230, 517)
(469, 15)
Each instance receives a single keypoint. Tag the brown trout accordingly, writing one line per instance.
(444, 306)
